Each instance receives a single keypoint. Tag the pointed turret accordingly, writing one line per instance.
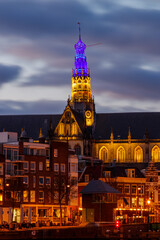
(111, 136)
(41, 136)
(129, 135)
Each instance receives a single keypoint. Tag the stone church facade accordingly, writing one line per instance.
(122, 137)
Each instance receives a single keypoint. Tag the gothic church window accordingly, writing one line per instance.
(103, 154)
(120, 154)
(138, 154)
(155, 154)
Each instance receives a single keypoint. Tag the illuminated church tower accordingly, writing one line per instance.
(82, 100)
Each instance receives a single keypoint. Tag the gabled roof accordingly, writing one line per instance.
(98, 186)
(77, 117)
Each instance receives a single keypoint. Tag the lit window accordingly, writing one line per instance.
(41, 196)
(25, 196)
(62, 167)
(41, 180)
(47, 164)
(120, 203)
(141, 202)
(1, 197)
(33, 166)
(121, 154)
(40, 166)
(134, 202)
(86, 178)
(32, 196)
(56, 167)
(17, 196)
(103, 154)
(55, 152)
(138, 154)
(155, 154)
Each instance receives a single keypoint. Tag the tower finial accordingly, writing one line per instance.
(79, 31)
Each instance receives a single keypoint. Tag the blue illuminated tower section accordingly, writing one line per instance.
(81, 99)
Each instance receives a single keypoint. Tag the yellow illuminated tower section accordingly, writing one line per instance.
(82, 99)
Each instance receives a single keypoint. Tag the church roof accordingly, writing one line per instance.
(120, 122)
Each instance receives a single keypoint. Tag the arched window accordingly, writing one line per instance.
(138, 154)
(77, 149)
(103, 154)
(120, 154)
(155, 154)
(74, 129)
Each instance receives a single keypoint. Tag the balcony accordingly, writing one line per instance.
(17, 173)
(18, 158)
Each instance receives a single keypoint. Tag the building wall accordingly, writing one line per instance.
(134, 151)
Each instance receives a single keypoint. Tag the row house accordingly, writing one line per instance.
(36, 180)
(132, 203)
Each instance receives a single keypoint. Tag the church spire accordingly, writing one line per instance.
(81, 99)
(79, 31)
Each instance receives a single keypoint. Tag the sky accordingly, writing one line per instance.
(37, 53)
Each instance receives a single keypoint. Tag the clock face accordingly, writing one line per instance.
(88, 114)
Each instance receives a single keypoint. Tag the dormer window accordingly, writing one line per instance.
(130, 173)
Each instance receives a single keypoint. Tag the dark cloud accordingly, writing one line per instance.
(32, 107)
(9, 73)
(129, 36)
(128, 83)
(50, 78)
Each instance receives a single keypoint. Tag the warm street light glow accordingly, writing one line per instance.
(148, 201)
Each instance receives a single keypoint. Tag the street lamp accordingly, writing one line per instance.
(148, 202)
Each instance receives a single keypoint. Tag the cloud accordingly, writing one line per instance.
(49, 78)
(9, 73)
(33, 107)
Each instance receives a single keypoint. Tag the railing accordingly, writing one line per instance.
(17, 173)
(17, 158)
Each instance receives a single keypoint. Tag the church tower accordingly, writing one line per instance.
(82, 100)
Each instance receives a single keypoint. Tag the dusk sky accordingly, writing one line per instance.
(37, 53)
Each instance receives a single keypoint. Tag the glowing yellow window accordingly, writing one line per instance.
(32, 196)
